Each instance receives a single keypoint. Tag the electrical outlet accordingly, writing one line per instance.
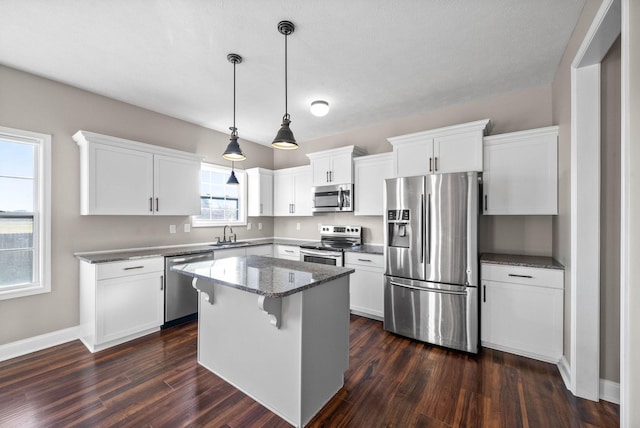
(172, 228)
(297, 226)
(259, 226)
(319, 226)
(248, 226)
(187, 228)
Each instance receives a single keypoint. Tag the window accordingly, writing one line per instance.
(25, 188)
(221, 203)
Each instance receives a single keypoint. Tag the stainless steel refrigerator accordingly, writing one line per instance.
(431, 257)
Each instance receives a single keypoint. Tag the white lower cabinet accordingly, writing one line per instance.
(366, 284)
(260, 250)
(288, 252)
(120, 301)
(522, 310)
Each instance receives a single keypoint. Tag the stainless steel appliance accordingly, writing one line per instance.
(333, 241)
(431, 276)
(338, 197)
(180, 298)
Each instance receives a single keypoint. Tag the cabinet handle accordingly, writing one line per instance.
(157, 205)
(151, 204)
(436, 163)
(288, 251)
(260, 207)
(520, 276)
(484, 294)
(161, 282)
(330, 176)
(485, 202)
(293, 208)
(430, 164)
(364, 260)
(133, 267)
(326, 173)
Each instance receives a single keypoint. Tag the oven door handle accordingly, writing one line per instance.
(321, 253)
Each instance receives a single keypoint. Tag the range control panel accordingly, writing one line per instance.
(346, 231)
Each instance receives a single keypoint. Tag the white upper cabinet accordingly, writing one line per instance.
(333, 166)
(292, 191)
(260, 189)
(123, 177)
(370, 173)
(521, 173)
(455, 148)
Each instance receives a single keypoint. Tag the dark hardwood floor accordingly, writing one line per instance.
(155, 381)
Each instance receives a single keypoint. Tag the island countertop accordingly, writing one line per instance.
(263, 275)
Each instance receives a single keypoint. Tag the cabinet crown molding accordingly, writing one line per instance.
(353, 150)
(259, 170)
(86, 137)
(483, 126)
(522, 135)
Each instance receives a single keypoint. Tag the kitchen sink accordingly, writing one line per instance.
(229, 244)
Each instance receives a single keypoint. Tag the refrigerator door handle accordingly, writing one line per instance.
(429, 227)
(422, 231)
(432, 290)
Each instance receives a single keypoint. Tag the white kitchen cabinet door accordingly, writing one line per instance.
(457, 153)
(124, 177)
(120, 301)
(521, 173)
(176, 186)
(260, 192)
(128, 305)
(366, 284)
(292, 192)
(456, 148)
(370, 173)
(525, 316)
(260, 250)
(117, 180)
(229, 252)
(412, 158)
(333, 166)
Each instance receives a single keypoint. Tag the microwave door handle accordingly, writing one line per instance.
(340, 199)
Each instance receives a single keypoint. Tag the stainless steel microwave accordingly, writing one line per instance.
(337, 197)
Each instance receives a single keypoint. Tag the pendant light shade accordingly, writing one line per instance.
(232, 178)
(284, 138)
(233, 151)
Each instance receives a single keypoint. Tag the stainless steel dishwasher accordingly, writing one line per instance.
(180, 298)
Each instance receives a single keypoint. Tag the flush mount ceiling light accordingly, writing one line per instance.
(233, 151)
(284, 138)
(319, 108)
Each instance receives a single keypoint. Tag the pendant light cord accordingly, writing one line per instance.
(234, 98)
(286, 95)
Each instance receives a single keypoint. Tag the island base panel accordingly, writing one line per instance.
(293, 370)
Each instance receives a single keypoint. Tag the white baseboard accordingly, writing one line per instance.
(37, 343)
(565, 372)
(610, 391)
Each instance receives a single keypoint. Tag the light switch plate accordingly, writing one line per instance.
(187, 228)
(248, 226)
(297, 226)
(172, 228)
(259, 226)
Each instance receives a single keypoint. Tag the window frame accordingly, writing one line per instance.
(41, 212)
(241, 175)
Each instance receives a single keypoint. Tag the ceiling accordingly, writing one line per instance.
(372, 60)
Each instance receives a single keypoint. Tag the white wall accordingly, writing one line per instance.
(36, 104)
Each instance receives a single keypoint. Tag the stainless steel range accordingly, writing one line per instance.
(333, 241)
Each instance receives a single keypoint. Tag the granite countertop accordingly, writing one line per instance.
(518, 260)
(262, 275)
(182, 250)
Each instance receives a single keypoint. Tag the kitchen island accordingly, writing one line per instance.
(278, 330)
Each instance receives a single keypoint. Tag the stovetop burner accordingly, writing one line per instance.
(337, 238)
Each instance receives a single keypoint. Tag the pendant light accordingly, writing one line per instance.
(232, 178)
(284, 138)
(233, 151)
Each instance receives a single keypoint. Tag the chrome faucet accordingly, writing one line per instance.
(224, 233)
